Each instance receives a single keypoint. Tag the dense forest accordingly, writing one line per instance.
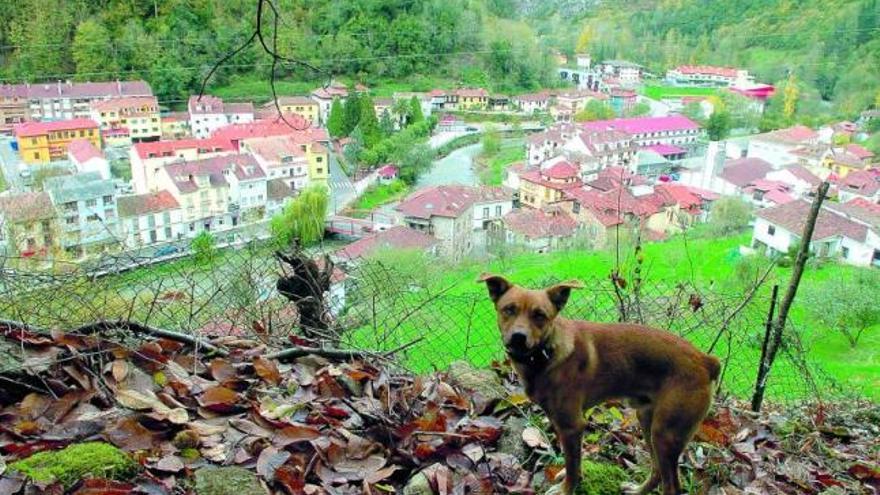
(829, 49)
(174, 43)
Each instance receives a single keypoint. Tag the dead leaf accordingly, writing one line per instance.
(170, 464)
(219, 399)
(103, 487)
(119, 369)
(534, 438)
(267, 370)
(269, 461)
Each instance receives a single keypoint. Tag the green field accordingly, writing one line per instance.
(658, 92)
(256, 87)
(459, 323)
(492, 171)
(379, 195)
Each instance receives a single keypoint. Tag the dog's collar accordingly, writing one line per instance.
(537, 358)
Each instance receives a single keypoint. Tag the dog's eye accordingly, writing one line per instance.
(508, 310)
(539, 317)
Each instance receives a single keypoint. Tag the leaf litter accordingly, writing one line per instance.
(317, 426)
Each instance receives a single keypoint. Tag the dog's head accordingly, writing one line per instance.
(525, 317)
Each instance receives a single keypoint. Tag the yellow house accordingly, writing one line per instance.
(28, 225)
(175, 125)
(542, 187)
(202, 190)
(849, 158)
(43, 142)
(319, 166)
(300, 105)
(472, 99)
(133, 119)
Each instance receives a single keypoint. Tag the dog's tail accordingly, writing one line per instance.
(713, 366)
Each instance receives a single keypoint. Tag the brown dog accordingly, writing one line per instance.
(568, 366)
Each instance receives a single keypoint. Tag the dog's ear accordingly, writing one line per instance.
(496, 284)
(558, 294)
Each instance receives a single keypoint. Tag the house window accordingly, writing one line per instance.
(844, 251)
(319, 170)
(91, 203)
(498, 211)
(486, 212)
(771, 230)
(167, 232)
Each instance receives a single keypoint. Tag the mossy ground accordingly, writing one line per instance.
(75, 462)
(231, 480)
(601, 478)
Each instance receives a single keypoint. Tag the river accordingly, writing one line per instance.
(454, 168)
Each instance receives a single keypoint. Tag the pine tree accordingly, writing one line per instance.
(415, 111)
(352, 113)
(336, 119)
(386, 123)
(368, 122)
(791, 94)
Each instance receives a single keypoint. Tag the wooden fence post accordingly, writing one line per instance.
(779, 324)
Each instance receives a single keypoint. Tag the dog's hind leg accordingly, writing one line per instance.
(677, 416)
(646, 416)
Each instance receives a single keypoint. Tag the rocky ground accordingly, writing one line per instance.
(91, 416)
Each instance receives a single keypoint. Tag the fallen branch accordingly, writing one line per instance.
(107, 325)
(332, 353)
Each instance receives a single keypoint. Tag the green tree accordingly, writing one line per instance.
(594, 110)
(386, 123)
(729, 215)
(848, 306)
(694, 111)
(336, 119)
(302, 219)
(368, 123)
(491, 141)
(203, 247)
(791, 93)
(718, 125)
(91, 51)
(416, 115)
(639, 109)
(351, 113)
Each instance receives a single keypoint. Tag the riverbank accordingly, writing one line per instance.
(491, 168)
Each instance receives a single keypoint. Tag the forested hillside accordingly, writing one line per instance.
(173, 43)
(830, 47)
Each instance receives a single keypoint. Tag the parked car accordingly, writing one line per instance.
(471, 129)
(166, 251)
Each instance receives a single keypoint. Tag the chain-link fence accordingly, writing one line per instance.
(428, 313)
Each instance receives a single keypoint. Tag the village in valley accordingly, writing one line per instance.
(102, 167)
(439, 247)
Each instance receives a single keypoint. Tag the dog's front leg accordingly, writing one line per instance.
(570, 438)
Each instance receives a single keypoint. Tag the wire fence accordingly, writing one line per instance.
(429, 317)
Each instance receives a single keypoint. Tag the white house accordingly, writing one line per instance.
(532, 102)
(149, 218)
(491, 206)
(87, 158)
(738, 174)
(239, 113)
(646, 131)
(848, 231)
(206, 115)
(801, 181)
(861, 184)
(147, 159)
(281, 157)
(784, 146)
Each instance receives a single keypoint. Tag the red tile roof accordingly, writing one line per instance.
(142, 204)
(443, 201)
(665, 149)
(798, 134)
(398, 237)
(539, 224)
(859, 152)
(387, 172)
(82, 150)
(536, 97)
(157, 149)
(707, 70)
(778, 197)
(205, 104)
(645, 125)
(471, 92)
(291, 100)
(299, 126)
(864, 182)
(561, 170)
(793, 215)
(90, 90)
(240, 107)
(27, 207)
(30, 129)
(130, 104)
(803, 174)
(743, 171)
(185, 174)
